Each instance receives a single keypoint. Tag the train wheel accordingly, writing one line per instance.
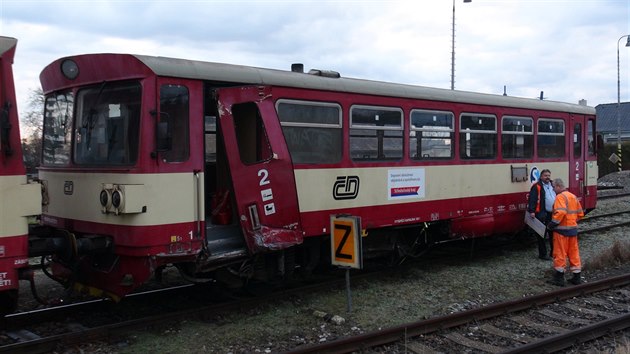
(8, 301)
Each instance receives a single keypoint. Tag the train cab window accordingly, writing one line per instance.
(57, 132)
(376, 133)
(251, 136)
(431, 135)
(477, 136)
(577, 140)
(517, 137)
(174, 110)
(312, 130)
(108, 117)
(550, 139)
(591, 137)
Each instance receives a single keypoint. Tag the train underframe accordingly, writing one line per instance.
(93, 265)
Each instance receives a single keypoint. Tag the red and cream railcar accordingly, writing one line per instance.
(18, 199)
(217, 168)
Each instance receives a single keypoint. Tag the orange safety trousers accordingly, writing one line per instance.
(566, 247)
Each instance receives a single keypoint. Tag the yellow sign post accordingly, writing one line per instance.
(345, 246)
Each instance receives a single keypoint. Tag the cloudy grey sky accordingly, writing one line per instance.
(566, 48)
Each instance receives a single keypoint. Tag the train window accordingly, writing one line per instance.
(251, 136)
(591, 137)
(312, 130)
(431, 135)
(577, 140)
(550, 138)
(477, 136)
(57, 133)
(174, 102)
(517, 137)
(108, 116)
(376, 133)
(210, 135)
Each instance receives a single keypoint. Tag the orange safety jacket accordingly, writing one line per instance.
(537, 192)
(567, 210)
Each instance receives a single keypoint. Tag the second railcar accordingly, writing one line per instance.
(226, 169)
(18, 198)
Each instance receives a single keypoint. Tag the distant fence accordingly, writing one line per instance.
(603, 155)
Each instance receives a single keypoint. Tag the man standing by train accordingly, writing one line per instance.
(540, 206)
(567, 210)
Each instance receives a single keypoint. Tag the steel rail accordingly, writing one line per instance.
(397, 333)
(612, 196)
(580, 335)
(604, 228)
(599, 216)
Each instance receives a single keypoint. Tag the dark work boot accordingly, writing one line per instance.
(558, 279)
(577, 279)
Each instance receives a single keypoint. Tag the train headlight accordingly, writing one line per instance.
(105, 198)
(123, 198)
(117, 198)
(70, 69)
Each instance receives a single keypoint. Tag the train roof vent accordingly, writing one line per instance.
(324, 73)
(297, 68)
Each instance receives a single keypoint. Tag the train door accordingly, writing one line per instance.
(591, 171)
(260, 166)
(576, 156)
(178, 114)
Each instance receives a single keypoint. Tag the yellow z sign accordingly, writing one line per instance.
(345, 241)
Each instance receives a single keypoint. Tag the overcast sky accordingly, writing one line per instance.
(566, 48)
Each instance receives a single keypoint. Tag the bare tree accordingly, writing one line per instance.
(31, 122)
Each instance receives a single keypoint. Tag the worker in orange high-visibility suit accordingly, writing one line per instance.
(567, 210)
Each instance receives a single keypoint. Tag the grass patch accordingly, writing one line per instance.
(616, 255)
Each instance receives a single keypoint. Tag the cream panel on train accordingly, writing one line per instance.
(325, 189)
(157, 198)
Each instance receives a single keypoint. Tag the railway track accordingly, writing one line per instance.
(542, 323)
(613, 196)
(91, 321)
(31, 318)
(605, 215)
(603, 222)
(76, 332)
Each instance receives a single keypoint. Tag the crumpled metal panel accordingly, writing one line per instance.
(273, 238)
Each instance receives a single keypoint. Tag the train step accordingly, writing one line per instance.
(224, 239)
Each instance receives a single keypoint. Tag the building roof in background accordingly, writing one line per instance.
(607, 117)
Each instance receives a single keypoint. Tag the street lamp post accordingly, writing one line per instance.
(453, 47)
(619, 101)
